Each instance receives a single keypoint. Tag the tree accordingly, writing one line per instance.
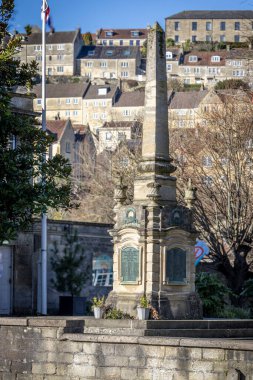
(170, 42)
(22, 193)
(232, 84)
(87, 37)
(70, 274)
(28, 29)
(218, 157)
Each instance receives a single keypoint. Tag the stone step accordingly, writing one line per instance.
(114, 331)
(201, 333)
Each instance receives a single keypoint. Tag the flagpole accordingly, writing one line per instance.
(44, 215)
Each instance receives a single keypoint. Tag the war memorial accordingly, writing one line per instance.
(153, 255)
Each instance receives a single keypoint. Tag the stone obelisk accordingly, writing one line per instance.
(153, 237)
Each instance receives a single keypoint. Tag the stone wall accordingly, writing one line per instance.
(44, 349)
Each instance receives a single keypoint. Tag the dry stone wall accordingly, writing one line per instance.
(45, 349)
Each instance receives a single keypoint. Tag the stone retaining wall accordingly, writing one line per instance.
(44, 349)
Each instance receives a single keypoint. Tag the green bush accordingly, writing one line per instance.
(113, 313)
(212, 292)
(232, 312)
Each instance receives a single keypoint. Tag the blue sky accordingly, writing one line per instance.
(91, 15)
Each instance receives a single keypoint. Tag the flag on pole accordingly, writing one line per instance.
(46, 13)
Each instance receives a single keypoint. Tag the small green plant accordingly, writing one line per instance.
(98, 302)
(232, 312)
(113, 313)
(144, 301)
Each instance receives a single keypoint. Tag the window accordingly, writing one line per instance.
(176, 39)
(58, 102)
(237, 38)
(95, 116)
(207, 180)
(67, 113)
(187, 70)
(222, 25)
(68, 148)
(88, 64)
(50, 47)
(215, 58)
(222, 38)
(208, 25)
(39, 102)
(67, 101)
(131, 43)
(238, 73)
(109, 33)
(126, 53)
(110, 42)
(124, 74)
(177, 25)
(124, 64)
(169, 55)
(135, 33)
(121, 42)
(138, 42)
(169, 66)
(103, 64)
(237, 25)
(196, 70)
(38, 58)
(96, 103)
(194, 38)
(104, 43)
(76, 100)
(193, 58)
(60, 69)
(38, 47)
(91, 53)
(213, 70)
(235, 63)
(208, 38)
(121, 136)
(50, 58)
(103, 103)
(194, 25)
(109, 52)
(103, 116)
(126, 112)
(207, 161)
(108, 136)
(59, 57)
(60, 47)
(75, 113)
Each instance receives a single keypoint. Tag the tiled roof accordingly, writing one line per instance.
(122, 34)
(187, 100)
(57, 127)
(204, 58)
(131, 99)
(108, 52)
(63, 90)
(92, 92)
(51, 38)
(208, 15)
(240, 53)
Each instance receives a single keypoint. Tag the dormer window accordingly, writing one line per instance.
(91, 53)
(102, 91)
(109, 33)
(193, 58)
(135, 33)
(215, 58)
(169, 55)
(126, 52)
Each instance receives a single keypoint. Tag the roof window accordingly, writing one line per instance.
(103, 91)
(215, 58)
(193, 58)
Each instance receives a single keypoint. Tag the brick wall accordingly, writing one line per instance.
(38, 349)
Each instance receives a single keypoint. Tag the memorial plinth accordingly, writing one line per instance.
(153, 237)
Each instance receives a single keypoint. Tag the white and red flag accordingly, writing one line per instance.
(46, 13)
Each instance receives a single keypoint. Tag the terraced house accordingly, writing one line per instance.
(109, 62)
(62, 49)
(221, 26)
(121, 37)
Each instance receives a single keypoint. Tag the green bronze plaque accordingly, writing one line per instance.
(130, 264)
(176, 265)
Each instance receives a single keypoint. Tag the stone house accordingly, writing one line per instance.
(129, 106)
(121, 37)
(111, 134)
(239, 64)
(64, 100)
(62, 49)
(97, 105)
(210, 26)
(64, 138)
(110, 62)
(20, 265)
